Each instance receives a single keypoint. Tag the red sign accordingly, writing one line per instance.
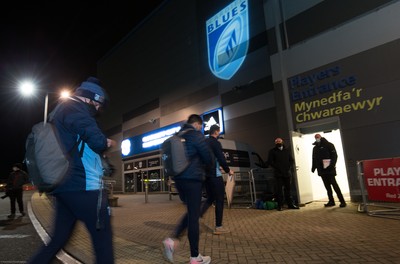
(382, 179)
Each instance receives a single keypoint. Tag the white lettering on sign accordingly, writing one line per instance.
(14, 236)
(391, 195)
(395, 182)
(391, 171)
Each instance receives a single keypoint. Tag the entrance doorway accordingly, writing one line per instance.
(309, 185)
(129, 183)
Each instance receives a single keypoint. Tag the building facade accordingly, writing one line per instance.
(274, 68)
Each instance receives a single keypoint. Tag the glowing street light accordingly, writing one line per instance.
(28, 88)
(65, 94)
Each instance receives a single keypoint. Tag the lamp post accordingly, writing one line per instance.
(46, 106)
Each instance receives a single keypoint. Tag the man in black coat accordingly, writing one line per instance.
(214, 183)
(14, 189)
(324, 161)
(281, 160)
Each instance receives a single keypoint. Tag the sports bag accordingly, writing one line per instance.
(173, 153)
(44, 157)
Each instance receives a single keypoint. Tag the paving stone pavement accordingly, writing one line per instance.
(313, 234)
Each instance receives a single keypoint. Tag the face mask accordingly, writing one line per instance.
(92, 110)
(318, 140)
(279, 146)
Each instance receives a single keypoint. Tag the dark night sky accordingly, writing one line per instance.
(55, 44)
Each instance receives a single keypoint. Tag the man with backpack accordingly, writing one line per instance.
(14, 190)
(80, 196)
(189, 184)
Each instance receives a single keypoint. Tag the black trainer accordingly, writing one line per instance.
(330, 204)
(11, 216)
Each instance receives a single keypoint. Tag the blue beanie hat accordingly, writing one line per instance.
(91, 89)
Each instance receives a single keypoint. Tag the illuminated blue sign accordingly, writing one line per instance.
(157, 138)
(153, 139)
(228, 39)
(149, 141)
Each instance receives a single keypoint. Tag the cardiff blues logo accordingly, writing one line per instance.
(228, 39)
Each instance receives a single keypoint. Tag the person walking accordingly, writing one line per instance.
(14, 189)
(81, 195)
(324, 159)
(281, 160)
(189, 185)
(214, 184)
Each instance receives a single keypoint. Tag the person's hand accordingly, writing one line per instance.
(330, 167)
(312, 170)
(111, 143)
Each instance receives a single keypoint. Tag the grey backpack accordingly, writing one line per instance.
(174, 154)
(44, 157)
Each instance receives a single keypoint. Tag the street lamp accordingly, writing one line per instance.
(28, 88)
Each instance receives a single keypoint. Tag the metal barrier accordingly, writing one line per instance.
(262, 182)
(249, 185)
(380, 187)
(242, 190)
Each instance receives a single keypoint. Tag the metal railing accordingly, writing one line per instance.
(262, 183)
(249, 185)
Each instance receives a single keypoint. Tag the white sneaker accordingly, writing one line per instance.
(200, 259)
(169, 248)
(221, 230)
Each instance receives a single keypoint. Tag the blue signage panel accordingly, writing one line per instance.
(149, 141)
(153, 139)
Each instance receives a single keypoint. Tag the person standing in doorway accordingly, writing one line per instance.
(190, 186)
(281, 160)
(214, 183)
(81, 195)
(324, 159)
(14, 190)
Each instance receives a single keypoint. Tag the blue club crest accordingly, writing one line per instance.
(228, 39)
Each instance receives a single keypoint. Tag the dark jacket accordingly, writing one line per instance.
(73, 121)
(321, 151)
(216, 149)
(198, 153)
(16, 180)
(281, 161)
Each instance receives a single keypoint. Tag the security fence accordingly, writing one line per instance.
(249, 185)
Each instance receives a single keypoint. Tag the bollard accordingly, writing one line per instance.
(146, 190)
